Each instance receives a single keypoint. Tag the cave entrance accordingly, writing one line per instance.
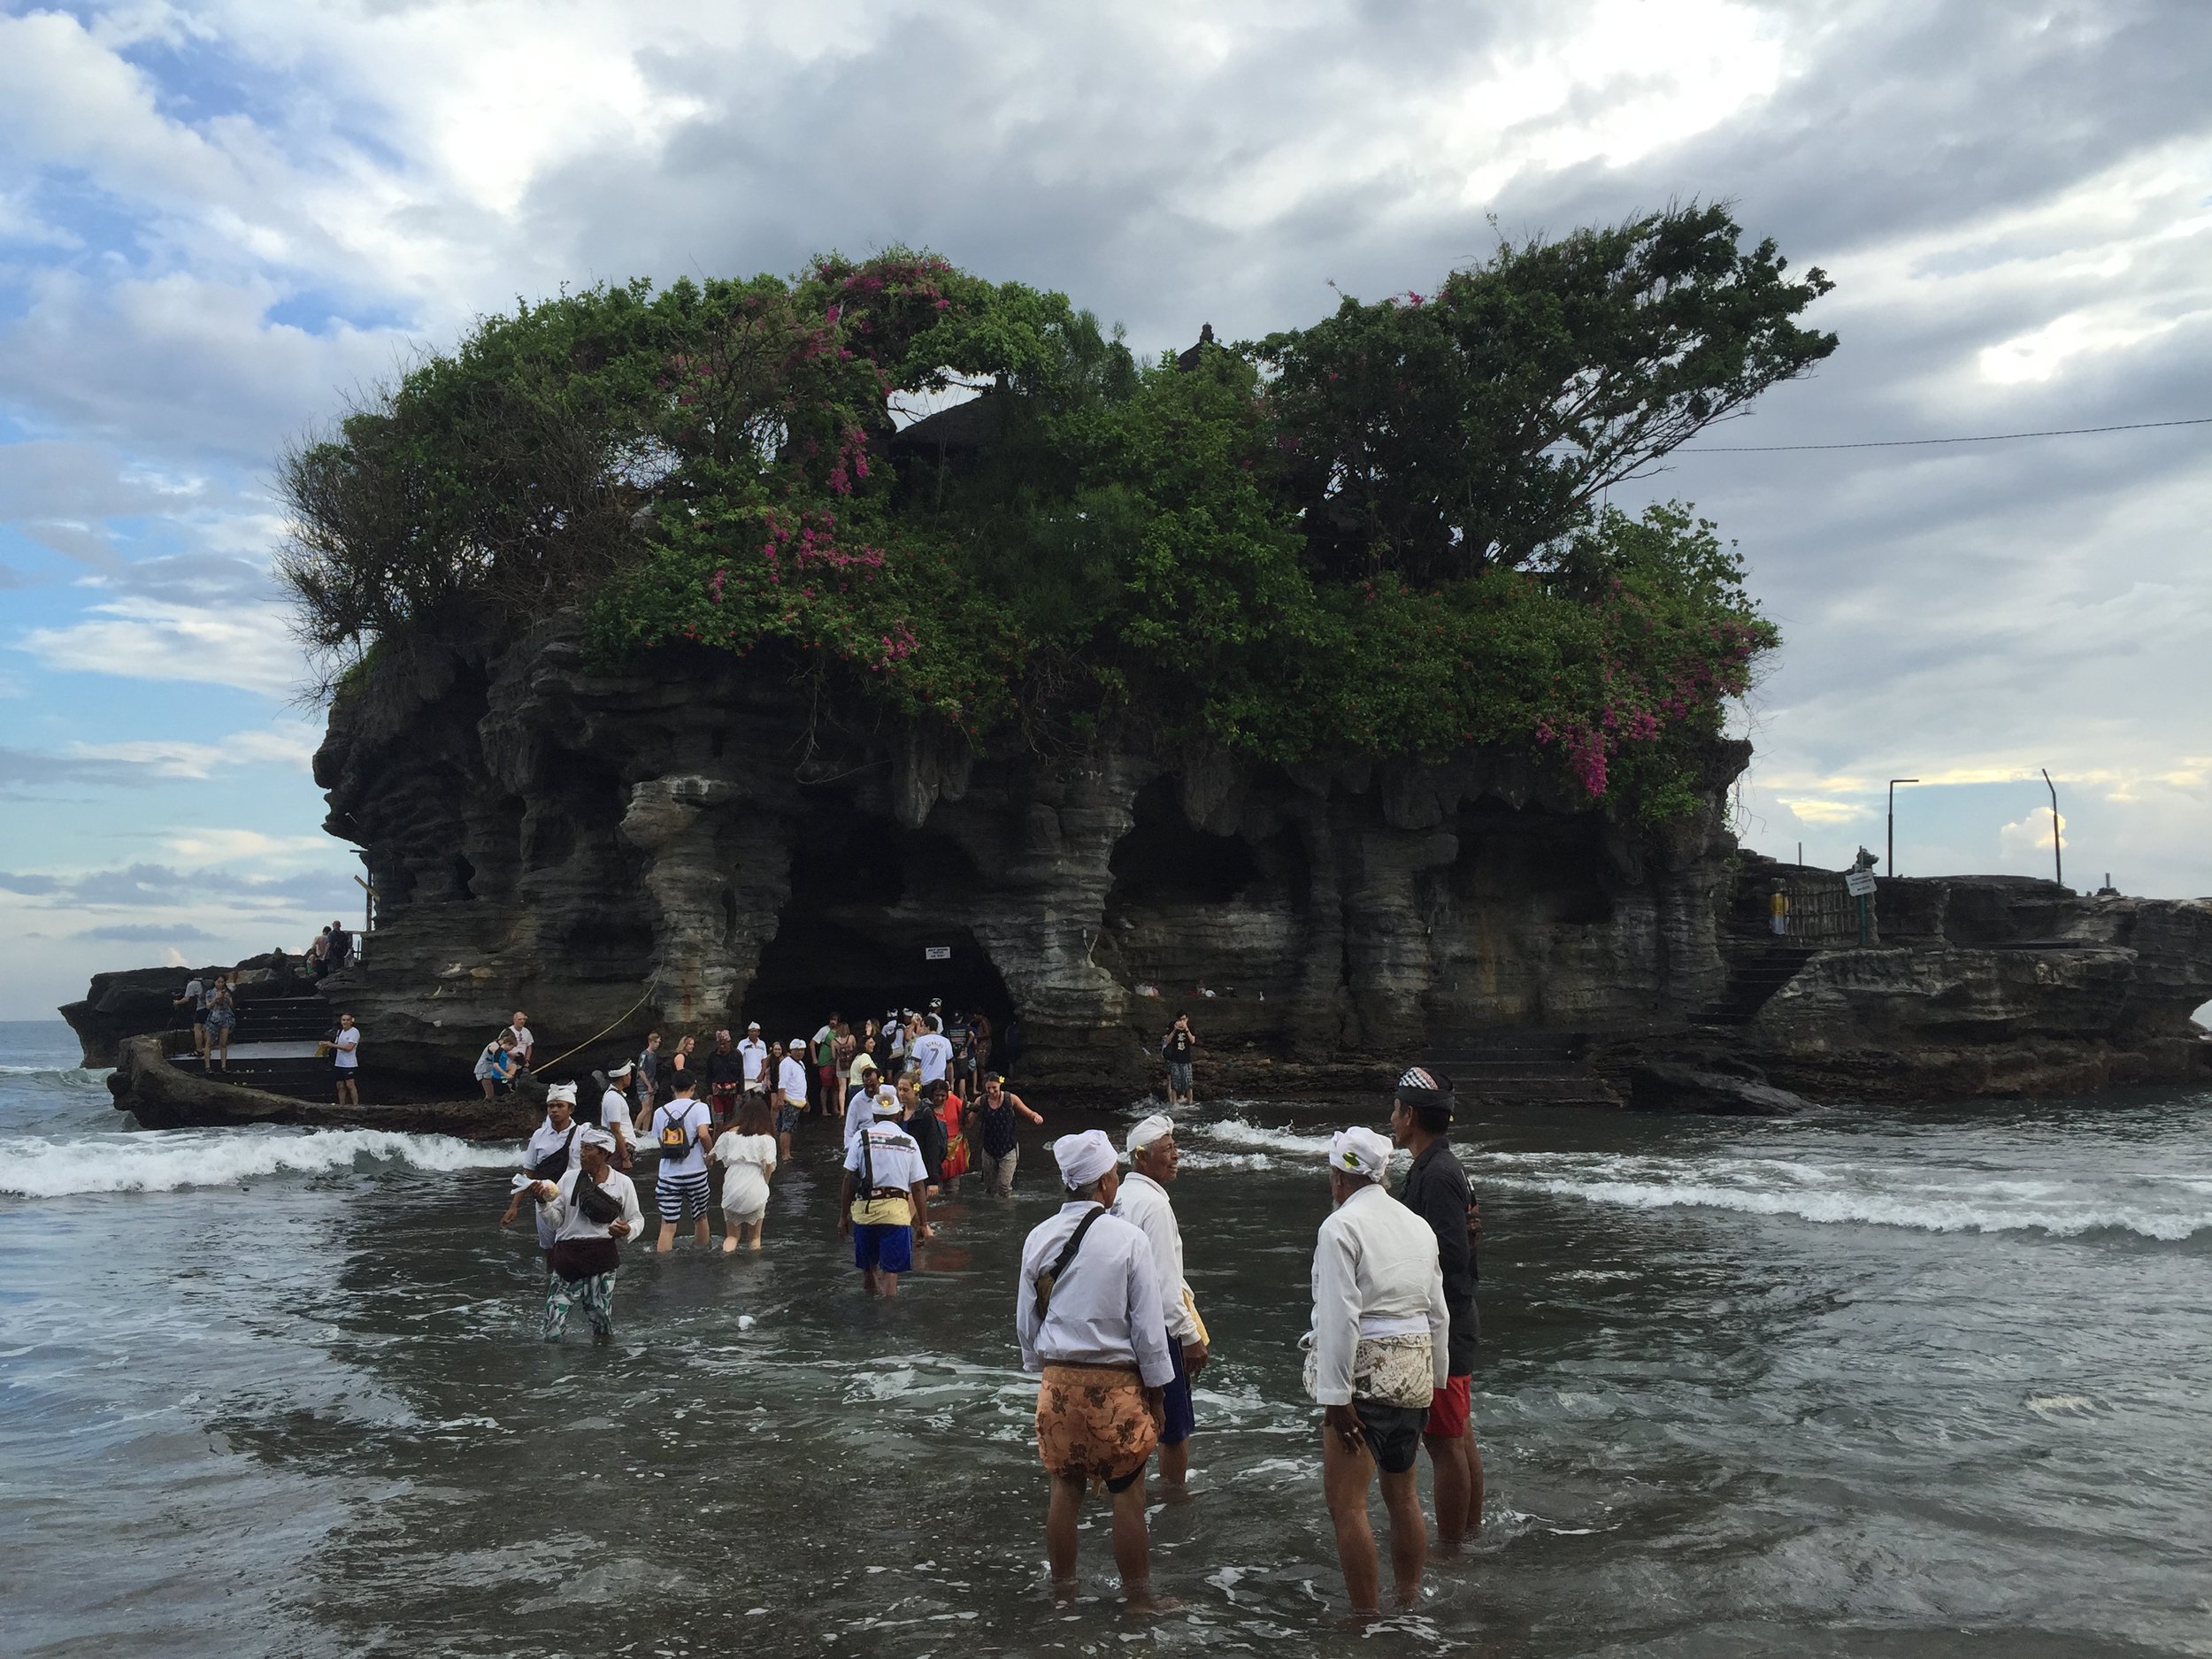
(871, 906)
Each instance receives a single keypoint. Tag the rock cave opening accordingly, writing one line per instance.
(871, 907)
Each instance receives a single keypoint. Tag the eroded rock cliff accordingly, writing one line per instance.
(677, 849)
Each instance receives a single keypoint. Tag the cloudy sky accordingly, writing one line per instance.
(217, 220)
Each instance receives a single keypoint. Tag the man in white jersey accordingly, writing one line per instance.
(860, 1110)
(933, 1052)
(755, 1054)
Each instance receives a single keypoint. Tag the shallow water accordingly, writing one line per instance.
(1924, 1384)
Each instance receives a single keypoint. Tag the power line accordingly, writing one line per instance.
(1914, 444)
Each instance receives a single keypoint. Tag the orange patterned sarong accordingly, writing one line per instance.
(1092, 1420)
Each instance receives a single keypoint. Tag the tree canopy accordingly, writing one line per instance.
(1378, 535)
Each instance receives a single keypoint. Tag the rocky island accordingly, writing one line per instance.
(681, 675)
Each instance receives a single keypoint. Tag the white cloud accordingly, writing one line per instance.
(292, 744)
(246, 645)
(218, 846)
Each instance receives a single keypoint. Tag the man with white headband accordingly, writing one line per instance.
(1143, 1202)
(1436, 1190)
(550, 1153)
(1376, 1359)
(1088, 1312)
(614, 1116)
(591, 1207)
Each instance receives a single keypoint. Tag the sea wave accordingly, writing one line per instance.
(1235, 1131)
(165, 1161)
(1926, 1199)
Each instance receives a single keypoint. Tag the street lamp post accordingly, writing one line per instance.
(1889, 864)
(2058, 858)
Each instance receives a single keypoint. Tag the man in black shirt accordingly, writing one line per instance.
(1436, 1190)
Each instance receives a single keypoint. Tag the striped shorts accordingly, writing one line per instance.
(681, 1198)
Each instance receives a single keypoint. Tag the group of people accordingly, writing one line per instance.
(1104, 1316)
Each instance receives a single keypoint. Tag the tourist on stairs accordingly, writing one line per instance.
(1436, 1190)
(884, 1206)
(1143, 1202)
(1375, 1360)
(1086, 1311)
(592, 1206)
(683, 1132)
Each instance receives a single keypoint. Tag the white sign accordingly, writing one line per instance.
(1859, 883)
(936, 952)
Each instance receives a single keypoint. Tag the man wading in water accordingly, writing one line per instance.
(1143, 1204)
(1377, 1358)
(885, 1204)
(1087, 1313)
(1436, 1190)
(590, 1207)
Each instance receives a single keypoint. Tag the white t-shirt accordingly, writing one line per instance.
(791, 1078)
(523, 1040)
(894, 1160)
(347, 1040)
(196, 994)
(745, 1161)
(693, 1116)
(934, 1054)
(614, 1113)
(755, 1053)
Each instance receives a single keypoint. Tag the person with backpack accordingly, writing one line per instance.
(884, 1205)
(552, 1152)
(682, 1130)
(592, 1208)
(1087, 1312)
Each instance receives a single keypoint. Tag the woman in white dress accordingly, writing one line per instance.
(747, 1158)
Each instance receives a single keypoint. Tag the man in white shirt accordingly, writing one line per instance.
(860, 1110)
(1087, 1313)
(345, 1060)
(755, 1054)
(683, 1129)
(1379, 1352)
(614, 1116)
(790, 1097)
(885, 1204)
(586, 1253)
(933, 1052)
(1143, 1202)
(518, 1028)
(552, 1151)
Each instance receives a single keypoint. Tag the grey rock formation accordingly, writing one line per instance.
(713, 841)
(709, 843)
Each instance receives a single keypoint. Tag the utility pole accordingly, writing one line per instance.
(2058, 859)
(1889, 864)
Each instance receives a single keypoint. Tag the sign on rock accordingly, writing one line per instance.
(1859, 883)
(936, 952)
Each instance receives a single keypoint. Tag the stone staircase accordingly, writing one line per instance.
(272, 1046)
(1757, 970)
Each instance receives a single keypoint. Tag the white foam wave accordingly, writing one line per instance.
(1230, 1161)
(165, 1161)
(1235, 1131)
(1928, 1200)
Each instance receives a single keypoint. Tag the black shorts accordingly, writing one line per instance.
(1394, 1433)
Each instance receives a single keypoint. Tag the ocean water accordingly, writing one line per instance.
(1923, 1384)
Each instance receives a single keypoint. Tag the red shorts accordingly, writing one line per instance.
(1449, 1412)
(826, 1076)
